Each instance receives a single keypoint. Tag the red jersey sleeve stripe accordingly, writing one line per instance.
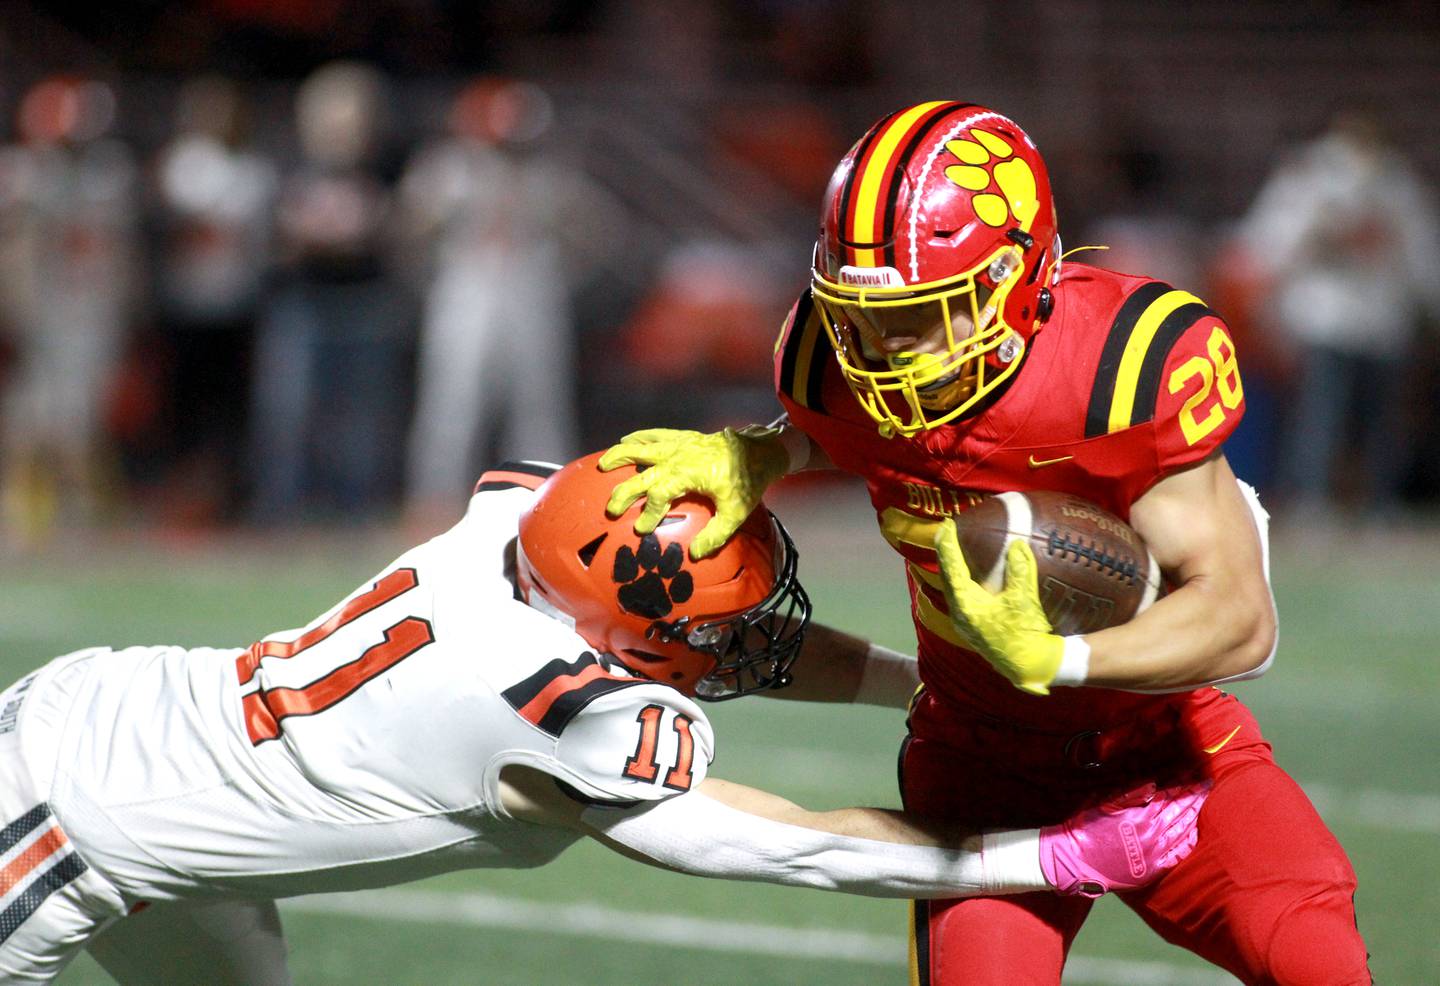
(1147, 385)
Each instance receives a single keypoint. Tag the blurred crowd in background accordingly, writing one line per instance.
(270, 263)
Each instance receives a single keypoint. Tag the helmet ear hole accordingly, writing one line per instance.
(637, 660)
(645, 656)
(736, 577)
(587, 553)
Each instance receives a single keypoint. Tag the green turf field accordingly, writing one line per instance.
(1350, 707)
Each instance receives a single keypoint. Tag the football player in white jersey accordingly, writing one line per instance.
(524, 680)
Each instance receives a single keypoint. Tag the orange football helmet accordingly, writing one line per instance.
(717, 628)
(940, 216)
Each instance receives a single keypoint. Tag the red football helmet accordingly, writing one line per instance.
(717, 628)
(940, 216)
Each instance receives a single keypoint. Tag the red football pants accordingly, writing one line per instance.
(1267, 894)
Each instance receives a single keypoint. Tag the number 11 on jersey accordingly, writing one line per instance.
(265, 709)
(643, 764)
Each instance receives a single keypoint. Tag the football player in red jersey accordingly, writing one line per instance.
(944, 351)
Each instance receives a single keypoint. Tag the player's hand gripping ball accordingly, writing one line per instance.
(1023, 570)
(1093, 569)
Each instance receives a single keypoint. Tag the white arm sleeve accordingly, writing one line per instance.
(701, 836)
(888, 678)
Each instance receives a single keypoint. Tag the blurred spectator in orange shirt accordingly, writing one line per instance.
(701, 339)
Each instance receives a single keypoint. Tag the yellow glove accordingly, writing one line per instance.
(1008, 628)
(731, 467)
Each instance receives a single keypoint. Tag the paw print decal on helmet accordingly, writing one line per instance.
(651, 581)
(1012, 176)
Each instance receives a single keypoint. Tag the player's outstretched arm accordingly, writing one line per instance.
(835, 666)
(732, 468)
(734, 832)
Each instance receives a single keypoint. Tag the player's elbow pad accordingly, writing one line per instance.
(701, 836)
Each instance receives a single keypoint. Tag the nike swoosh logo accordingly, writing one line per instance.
(1042, 463)
(1217, 747)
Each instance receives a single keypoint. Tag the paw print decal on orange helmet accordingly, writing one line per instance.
(727, 625)
(663, 583)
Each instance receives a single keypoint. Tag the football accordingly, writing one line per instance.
(1094, 569)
